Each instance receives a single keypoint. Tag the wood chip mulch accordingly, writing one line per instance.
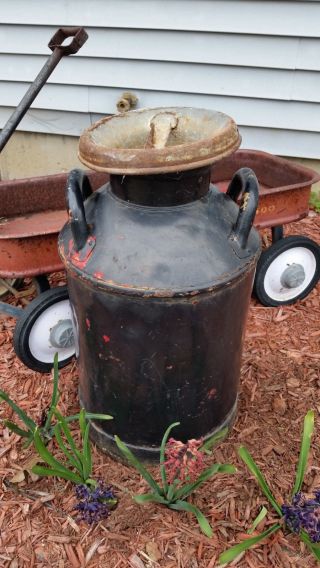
(280, 380)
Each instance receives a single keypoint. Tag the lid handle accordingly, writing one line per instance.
(244, 181)
(77, 190)
(161, 126)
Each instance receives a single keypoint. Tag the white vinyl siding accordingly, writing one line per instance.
(257, 60)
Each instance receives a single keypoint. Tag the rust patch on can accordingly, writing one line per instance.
(81, 257)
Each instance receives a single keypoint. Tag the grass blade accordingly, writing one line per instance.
(189, 488)
(149, 498)
(55, 393)
(162, 455)
(71, 459)
(258, 519)
(304, 450)
(233, 552)
(252, 466)
(213, 440)
(138, 465)
(68, 475)
(203, 522)
(30, 424)
(15, 428)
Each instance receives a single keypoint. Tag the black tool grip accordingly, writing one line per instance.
(77, 191)
(244, 181)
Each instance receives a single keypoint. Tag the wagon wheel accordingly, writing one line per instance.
(8, 283)
(287, 271)
(45, 328)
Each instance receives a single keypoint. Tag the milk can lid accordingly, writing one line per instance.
(158, 140)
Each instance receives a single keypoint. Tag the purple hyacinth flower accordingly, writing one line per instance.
(303, 514)
(95, 503)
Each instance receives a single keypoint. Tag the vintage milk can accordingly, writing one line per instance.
(160, 269)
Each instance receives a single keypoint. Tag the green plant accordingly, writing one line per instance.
(44, 427)
(78, 462)
(181, 474)
(314, 201)
(300, 516)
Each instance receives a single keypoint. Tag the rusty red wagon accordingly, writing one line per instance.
(33, 212)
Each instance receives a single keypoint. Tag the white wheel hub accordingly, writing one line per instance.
(290, 274)
(52, 332)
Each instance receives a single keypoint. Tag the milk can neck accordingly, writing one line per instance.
(162, 190)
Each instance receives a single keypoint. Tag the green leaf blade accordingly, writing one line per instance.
(149, 498)
(89, 416)
(67, 432)
(132, 460)
(304, 450)
(261, 515)
(87, 458)
(232, 553)
(55, 393)
(16, 429)
(47, 457)
(71, 459)
(30, 424)
(189, 488)
(162, 455)
(47, 471)
(252, 466)
(202, 521)
(213, 440)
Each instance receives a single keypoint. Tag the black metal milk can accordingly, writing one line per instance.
(160, 269)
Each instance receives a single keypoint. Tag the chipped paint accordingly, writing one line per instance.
(98, 275)
(81, 257)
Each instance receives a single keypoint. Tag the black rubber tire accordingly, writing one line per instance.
(270, 254)
(25, 323)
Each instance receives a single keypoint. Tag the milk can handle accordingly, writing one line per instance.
(244, 181)
(77, 191)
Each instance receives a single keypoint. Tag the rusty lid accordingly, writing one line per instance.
(158, 140)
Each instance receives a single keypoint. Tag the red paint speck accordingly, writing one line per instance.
(98, 275)
(212, 393)
(88, 323)
(106, 338)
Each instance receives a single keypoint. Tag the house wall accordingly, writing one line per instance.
(258, 61)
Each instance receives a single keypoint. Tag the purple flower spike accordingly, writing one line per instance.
(303, 514)
(94, 503)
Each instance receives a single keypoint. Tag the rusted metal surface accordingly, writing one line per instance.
(58, 51)
(32, 212)
(284, 186)
(124, 143)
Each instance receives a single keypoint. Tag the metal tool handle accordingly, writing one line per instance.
(244, 181)
(80, 36)
(77, 191)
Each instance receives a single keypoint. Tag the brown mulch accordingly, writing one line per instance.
(280, 380)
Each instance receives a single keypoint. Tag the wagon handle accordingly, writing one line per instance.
(80, 36)
(77, 191)
(244, 181)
